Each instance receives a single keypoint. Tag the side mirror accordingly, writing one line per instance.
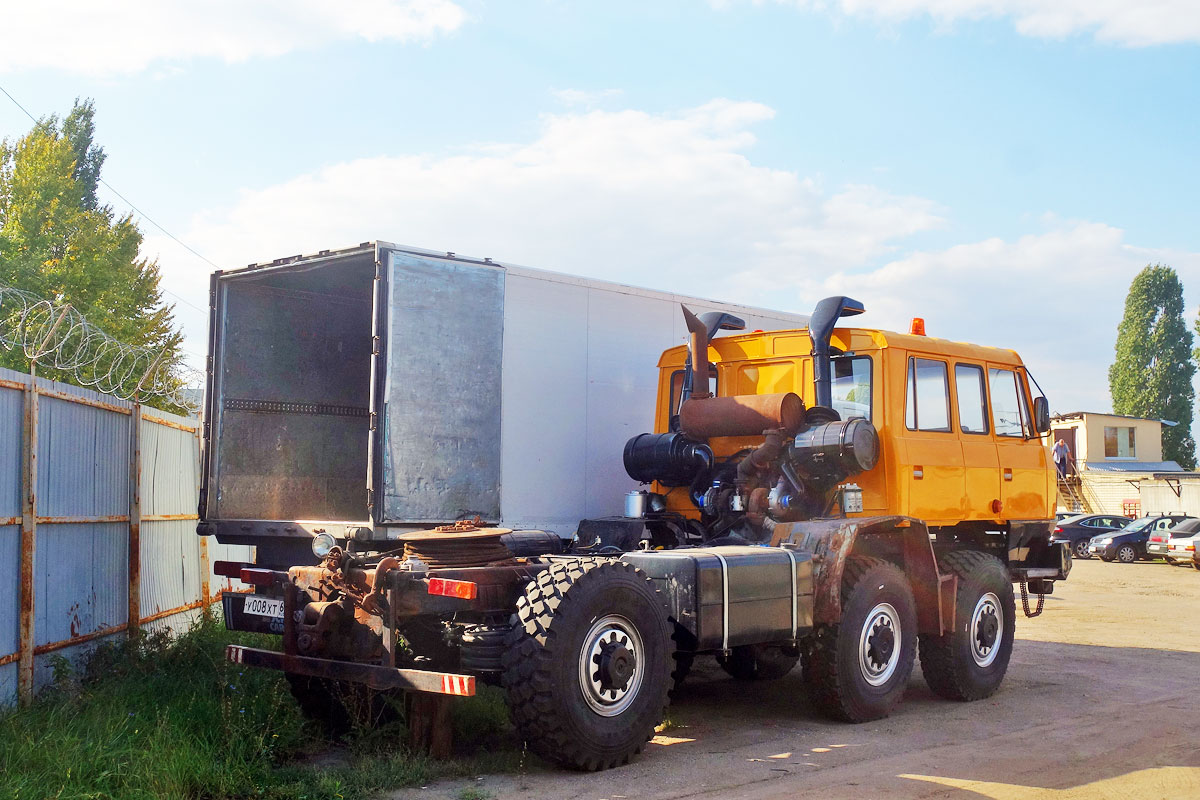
(1041, 414)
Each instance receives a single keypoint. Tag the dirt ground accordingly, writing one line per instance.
(1102, 700)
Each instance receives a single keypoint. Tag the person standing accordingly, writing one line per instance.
(1062, 456)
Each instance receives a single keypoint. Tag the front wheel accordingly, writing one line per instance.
(970, 662)
(1081, 549)
(857, 670)
(1126, 554)
(588, 663)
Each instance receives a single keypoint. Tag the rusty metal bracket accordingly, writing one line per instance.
(133, 622)
(28, 541)
(373, 675)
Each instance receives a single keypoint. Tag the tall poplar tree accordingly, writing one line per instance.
(1152, 373)
(58, 242)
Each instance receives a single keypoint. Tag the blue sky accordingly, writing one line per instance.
(1002, 168)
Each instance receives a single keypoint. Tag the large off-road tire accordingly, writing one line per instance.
(759, 662)
(1127, 554)
(340, 706)
(970, 662)
(588, 663)
(1080, 550)
(857, 670)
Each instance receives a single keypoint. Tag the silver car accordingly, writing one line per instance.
(1161, 541)
(1181, 549)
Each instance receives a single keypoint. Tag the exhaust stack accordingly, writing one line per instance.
(820, 328)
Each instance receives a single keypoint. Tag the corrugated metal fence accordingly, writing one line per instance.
(97, 525)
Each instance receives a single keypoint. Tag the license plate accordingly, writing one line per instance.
(263, 606)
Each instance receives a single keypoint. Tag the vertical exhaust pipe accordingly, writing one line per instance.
(820, 328)
(697, 364)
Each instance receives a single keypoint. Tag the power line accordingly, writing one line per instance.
(144, 215)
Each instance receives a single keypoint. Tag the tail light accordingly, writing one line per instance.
(1058, 530)
(464, 590)
(1190, 548)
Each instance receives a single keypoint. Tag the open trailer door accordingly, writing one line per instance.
(436, 439)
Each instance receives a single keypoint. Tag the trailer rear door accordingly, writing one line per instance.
(437, 434)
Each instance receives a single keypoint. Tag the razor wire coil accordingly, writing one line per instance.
(58, 336)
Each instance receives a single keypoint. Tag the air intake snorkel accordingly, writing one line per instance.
(820, 328)
(701, 330)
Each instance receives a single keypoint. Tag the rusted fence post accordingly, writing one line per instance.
(134, 623)
(28, 541)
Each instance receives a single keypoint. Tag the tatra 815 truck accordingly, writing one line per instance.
(458, 471)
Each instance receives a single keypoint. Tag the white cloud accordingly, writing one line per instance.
(672, 201)
(1056, 297)
(127, 36)
(583, 97)
(1133, 23)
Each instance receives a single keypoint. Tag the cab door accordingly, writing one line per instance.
(981, 465)
(1022, 457)
(930, 458)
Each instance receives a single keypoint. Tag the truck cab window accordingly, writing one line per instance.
(1008, 412)
(972, 401)
(677, 387)
(927, 407)
(852, 386)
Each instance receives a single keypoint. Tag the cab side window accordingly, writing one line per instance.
(972, 398)
(1007, 409)
(927, 407)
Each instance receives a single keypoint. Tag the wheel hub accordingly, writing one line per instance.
(616, 665)
(879, 644)
(611, 665)
(987, 626)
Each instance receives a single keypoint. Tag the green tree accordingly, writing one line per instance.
(58, 242)
(1152, 373)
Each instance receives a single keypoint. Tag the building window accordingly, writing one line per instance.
(928, 406)
(1119, 442)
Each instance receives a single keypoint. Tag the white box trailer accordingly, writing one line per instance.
(377, 389)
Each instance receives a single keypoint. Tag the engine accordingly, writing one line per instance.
(793, 475)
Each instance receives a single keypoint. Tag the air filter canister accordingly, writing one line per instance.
(836, 450)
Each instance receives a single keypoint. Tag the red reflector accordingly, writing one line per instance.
(258, 577)
(448, 588)
(461, 685)
(229, 569)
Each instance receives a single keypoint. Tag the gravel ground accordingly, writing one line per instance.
(1102, 700)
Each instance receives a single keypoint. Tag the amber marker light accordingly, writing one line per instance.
(464, 590)
(917, 326)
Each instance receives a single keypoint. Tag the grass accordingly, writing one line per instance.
(170, 718)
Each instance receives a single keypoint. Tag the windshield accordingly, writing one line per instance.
(1137, 525)
(851, 389)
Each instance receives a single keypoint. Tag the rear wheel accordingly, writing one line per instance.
(1081, 549)
(759, 662)
(1126, 554)
(857, 670)
(970, 662)
(588, 663)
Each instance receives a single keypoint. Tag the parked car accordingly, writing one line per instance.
(1129, 543)
(1181, 549)
(1159, 543)
(1079, 530)
(1059, 516)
